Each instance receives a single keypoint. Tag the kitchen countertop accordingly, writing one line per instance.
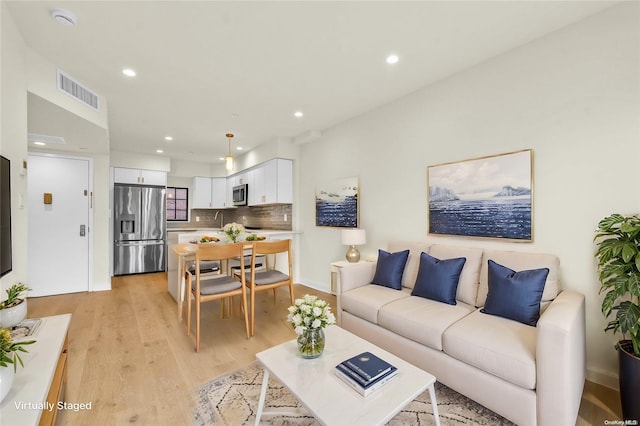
(189, 234)
(249, 231)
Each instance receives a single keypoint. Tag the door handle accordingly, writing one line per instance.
(82, 230)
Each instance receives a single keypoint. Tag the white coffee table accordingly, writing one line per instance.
(326, 397)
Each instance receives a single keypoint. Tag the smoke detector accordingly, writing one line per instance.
(64, 17)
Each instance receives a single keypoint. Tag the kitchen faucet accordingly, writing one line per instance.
(221, 218)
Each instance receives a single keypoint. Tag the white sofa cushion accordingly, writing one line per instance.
(499, 346)
(468, 284)
(366, 301)
(520, 262)
(421, 320)
(411, 268)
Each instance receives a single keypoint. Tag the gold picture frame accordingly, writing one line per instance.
(486, 197)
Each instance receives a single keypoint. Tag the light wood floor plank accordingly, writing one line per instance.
(131, 358)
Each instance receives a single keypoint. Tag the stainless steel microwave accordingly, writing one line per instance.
(240, 195)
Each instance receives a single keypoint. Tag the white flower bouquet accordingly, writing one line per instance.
(233, 230)
(310, 313)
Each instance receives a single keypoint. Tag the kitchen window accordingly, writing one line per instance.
(177, 203)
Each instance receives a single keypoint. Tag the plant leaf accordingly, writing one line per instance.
(628, 251)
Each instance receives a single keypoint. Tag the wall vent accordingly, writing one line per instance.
(57, 140)
(71, 87)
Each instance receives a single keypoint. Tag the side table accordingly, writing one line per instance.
(38, 388)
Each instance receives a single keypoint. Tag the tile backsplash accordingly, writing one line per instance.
(265, 217)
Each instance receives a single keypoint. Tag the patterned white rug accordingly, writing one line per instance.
(232, 399)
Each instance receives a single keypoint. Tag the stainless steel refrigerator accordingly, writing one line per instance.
(139, 229)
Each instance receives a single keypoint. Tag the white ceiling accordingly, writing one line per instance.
(200, 62)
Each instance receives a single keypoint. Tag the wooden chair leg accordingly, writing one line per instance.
(246, 314)
(197, 324)
(274, 295)
(293, 301)
(253, 312)
(189, 313)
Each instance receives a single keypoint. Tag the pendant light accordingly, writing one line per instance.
(229, 158)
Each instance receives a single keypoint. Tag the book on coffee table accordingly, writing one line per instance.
(371, 387)
(365, 372)
(367, 365)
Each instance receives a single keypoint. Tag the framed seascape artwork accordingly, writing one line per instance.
(337, 203)
(487, 197)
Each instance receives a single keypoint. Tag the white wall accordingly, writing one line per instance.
(573, 97)
(13, 139)
(139, 161)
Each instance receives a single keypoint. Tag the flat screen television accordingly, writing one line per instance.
(5, 216)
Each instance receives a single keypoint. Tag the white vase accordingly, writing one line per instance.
(6, 380)
(13, 315)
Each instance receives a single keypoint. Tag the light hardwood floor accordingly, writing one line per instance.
(131, 358)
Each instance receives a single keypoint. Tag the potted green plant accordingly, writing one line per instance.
(618, 255)
(14, 308)
(9, 356)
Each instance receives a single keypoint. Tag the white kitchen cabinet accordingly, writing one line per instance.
(272, 182)
(209, 193)
(219, 192)
(231, 182)
(139, 176)
(256, 186)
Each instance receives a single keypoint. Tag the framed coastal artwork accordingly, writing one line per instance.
(337, 203)
(488, 197)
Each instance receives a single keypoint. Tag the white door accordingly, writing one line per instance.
(58, 228)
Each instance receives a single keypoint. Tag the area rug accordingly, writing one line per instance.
(232, 399)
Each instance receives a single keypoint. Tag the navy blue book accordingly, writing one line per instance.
(362, 382)
(372, 387)
(368, 366)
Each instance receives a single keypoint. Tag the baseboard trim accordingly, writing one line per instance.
(604, 378)
(316, 286)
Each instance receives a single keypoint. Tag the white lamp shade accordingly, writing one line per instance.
(353, 237)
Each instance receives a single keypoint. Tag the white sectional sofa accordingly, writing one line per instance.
(531, 375)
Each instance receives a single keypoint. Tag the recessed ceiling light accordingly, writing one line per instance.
(235, 115)
(64, 17)
(168, 138)
(239, 148)
(39, 143)
(298, 114)
(392, 59)
(221, 158)
(159, 151)
(129, 72)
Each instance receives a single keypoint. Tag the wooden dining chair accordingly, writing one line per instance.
(268, 277)
(207, 287)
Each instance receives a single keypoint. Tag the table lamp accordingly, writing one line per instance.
(352, 238)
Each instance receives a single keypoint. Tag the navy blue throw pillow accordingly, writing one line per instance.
(438, 279)
(390, 268)
(515, 295)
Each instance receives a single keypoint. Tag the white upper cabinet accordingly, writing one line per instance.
(139, 176)
(271, 182)
(231, 182)
(218, 192)
(268, 183)
(209, 193)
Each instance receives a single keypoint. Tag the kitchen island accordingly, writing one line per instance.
(182, 236)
